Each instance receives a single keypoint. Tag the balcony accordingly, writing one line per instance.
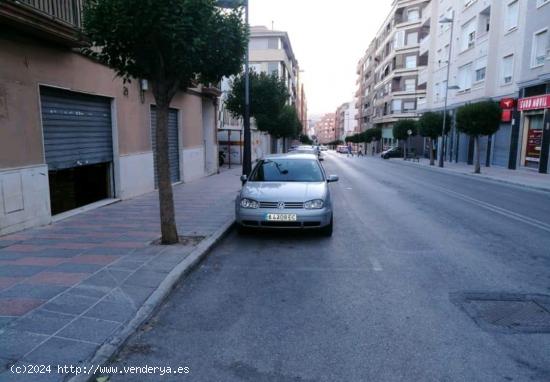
(426, 13)
(424, 45)
(423, 76)
(58, 21)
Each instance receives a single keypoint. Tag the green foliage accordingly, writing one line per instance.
(430, 124)
(477, 119)
(401, 128)
(305, 139)
(288, 124)
(268, 96)
(173, 43)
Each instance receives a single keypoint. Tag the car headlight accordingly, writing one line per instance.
(314, 204)
(249, 203)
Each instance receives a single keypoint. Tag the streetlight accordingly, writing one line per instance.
(247, 151)
(446, 20)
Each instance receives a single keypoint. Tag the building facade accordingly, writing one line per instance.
(388, 83)
(325, 129)
(73, 134)
(345, 123)
(270, 51)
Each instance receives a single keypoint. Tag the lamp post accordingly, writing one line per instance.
(446, 20)
(247, 151)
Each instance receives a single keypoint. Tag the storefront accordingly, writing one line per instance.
(535, 132)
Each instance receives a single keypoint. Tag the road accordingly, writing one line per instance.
(415, 255)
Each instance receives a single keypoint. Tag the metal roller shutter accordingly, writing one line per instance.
(77, 129)
(502, 139)
(173, 143)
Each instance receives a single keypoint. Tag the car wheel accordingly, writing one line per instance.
(327, 230)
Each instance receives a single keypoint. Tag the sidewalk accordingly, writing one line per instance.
(521, 177)
(68, 288)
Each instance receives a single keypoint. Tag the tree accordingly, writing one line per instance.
(305, 139)
(269, 95)
(175, 44)
(429, 126)
(401, 131)
(478, 119)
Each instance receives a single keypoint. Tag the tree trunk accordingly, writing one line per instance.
(432, 156)
(404, 149)
(166, 197)
(477, 155)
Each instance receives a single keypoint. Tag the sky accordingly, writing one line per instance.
(328, 39)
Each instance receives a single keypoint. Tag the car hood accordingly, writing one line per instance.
(284, 191)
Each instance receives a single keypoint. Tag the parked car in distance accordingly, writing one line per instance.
(307, 150)
(323, 148)
(342, 149)
(286, 191)
(392, 152)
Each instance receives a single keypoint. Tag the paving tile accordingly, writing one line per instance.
(15, 344)
(44, 261)
(49, 252)
(102, 278)
(58, 278)
(70, 303)
(24, 247)
(20, 270)
(24, 290)
(114, 307)
(94, 259)
(18, 306)
(71, 267)
(127, 265)
(107, 251)
(89, 329)
(39, 377)
(94, 291)
(42, 322)
(59, 351)
(146, 278)
(137, 294)
(6, 282)
(5, 320)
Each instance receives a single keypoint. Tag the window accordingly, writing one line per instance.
(273, 68)
(409, 105)
(273, 43)
(468, 35)
(410, 85)
(512, 14)
(410, 62)
(480, 74)
(507, 69)
(465, 77)
(540, 45)
(399, 39)
(413, 14)
(412, 38)
(484, 24)
(396, 106)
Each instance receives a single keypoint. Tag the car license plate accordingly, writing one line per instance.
(281, 217)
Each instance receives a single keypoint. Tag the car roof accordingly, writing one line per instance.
(291, 156)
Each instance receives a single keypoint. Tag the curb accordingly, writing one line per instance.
(108, 349)
(473, 176)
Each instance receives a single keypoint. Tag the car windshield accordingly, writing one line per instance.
(287, 170)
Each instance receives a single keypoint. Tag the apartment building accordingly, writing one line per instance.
(388, 86)
(325, 129)
(270, 51)
(345, 123)
(499, 51)
(74, 135)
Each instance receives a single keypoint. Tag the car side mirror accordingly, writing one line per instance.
(332, 178)
(244, 178)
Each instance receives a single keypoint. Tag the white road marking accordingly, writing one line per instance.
(375, 264)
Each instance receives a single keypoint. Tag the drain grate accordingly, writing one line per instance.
(506, 312)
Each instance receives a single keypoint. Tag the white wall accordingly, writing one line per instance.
(137, 175)
(24, 198)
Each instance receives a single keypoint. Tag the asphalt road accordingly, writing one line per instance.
(385, 299)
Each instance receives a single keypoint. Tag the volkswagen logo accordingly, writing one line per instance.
(281, 205)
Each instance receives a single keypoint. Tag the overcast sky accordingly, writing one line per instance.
(328, 39)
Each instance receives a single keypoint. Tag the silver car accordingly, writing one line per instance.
(286, 191)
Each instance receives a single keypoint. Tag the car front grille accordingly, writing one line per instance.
(288, 205)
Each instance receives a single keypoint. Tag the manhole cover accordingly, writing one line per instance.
(507, 313)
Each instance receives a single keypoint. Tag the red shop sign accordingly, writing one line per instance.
(507, 103)
(534, 103)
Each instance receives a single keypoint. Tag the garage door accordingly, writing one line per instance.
(173, 144)
(77, 129)
(502, 145)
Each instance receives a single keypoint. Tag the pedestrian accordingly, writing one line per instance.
(350, 151)
(360, 153)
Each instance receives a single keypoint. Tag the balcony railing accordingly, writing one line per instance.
(68, 11)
